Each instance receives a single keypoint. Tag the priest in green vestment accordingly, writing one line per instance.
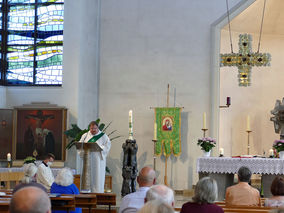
(97, 158)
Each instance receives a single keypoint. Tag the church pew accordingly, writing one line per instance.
(86, 201)
(8, 177)
(4, 205)
(63, 202)
(105, 199)
(244, 210)
(240, 208)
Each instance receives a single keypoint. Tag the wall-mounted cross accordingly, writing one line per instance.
(245, 59)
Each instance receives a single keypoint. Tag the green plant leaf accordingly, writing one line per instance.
(111, 139)
(111, 133)
(101, 126)
(107, 126)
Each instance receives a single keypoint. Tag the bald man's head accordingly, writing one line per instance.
(146, 177)
(30, 200)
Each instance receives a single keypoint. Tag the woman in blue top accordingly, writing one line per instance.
(63, 184)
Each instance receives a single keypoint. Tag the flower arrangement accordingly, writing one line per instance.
(278, 145)
(206, 143)
(29, 159)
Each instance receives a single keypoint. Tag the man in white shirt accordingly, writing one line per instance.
(97, 158)
(44, 173)
(134, 201)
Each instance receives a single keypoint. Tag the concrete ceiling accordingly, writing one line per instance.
(250, 19)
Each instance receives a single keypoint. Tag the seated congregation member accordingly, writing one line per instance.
(156, 206)
(134, 201)
(205, 193)
(30, 199)
(242, 193)
(30, 171)
(161, 193)
(277, 190)
(63, 184)
(44, 173)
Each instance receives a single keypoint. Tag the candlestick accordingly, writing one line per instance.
(8, 157)
(204, 120)
(130, 125)
(204, 132)
(155, 131)
(248, 123)
(221, 152)
(248, 131)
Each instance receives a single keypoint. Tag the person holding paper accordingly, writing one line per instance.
(97, 158)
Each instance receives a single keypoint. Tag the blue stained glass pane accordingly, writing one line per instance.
(21, 37)
(21, 1)
(50, 22)
(49, 65)
(20, 65)
(56, 1)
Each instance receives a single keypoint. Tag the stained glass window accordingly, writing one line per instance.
(31, 42)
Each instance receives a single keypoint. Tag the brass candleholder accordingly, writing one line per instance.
(154, 156)
(9, 164)
(204, 132)
(248, 131)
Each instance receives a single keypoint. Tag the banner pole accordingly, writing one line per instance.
(166, 160)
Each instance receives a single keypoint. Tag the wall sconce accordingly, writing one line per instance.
(227, 104)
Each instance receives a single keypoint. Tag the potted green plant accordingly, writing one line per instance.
(206, 145)
(278, 145)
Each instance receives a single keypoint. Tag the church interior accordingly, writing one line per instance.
(137, 55)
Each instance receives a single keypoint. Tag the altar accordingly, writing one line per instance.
(20, 169)
(222, 169)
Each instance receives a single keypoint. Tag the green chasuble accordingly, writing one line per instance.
(168, 121)
(96, 137)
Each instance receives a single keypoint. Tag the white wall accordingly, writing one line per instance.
(257, 100)
(2, 97)
(144, 46)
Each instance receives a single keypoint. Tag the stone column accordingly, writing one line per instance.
(88, 84)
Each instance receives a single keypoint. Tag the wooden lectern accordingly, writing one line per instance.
(86, 176)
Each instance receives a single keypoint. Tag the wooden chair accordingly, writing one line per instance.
(8, 177)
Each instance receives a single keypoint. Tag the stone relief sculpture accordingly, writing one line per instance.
(129, 168)
(278, 118)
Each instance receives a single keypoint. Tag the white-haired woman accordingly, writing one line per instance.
(205, 194)
(30, 171)
(63, 184)
(156, 206)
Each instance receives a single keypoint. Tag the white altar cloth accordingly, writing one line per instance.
(20, 169)
(229, 165)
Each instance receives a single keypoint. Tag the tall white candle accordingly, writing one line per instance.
(8, 157)
(130, 125)
(271, 152)
(248, 123)
(155, 131)
(204, 120)
(221, 151)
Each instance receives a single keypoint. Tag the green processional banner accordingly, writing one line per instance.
(168, 131)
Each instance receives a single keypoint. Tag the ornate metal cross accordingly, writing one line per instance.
(245, 59)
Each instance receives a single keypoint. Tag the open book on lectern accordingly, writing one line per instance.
(93, 147)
